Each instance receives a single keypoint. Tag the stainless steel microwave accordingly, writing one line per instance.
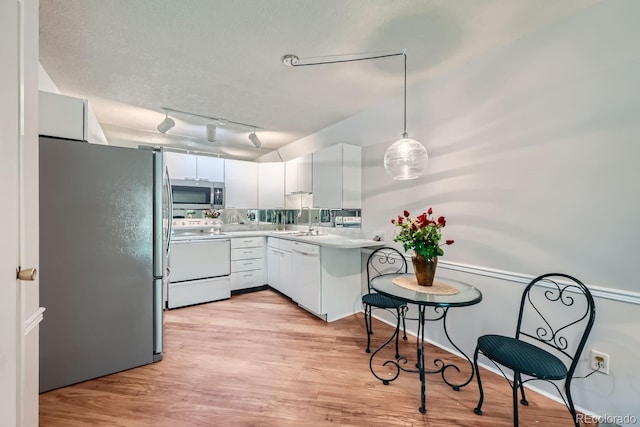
(197, 194)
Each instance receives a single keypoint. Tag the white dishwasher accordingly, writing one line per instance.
(200, 266)
(306, 290)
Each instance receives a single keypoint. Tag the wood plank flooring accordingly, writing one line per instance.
(259, 360)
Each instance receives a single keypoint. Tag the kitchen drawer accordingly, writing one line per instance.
(247, 279)
(198, 291)
(247, 242)
(247, 264)
(284, 244)
(247, 253)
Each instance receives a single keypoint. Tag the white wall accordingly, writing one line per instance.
(533, 152)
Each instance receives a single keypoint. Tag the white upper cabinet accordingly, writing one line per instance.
(181, 165)
(271, 185)
(68, 117)
(291, 176)
(305, 174)
(337, 177)
(191, 166)
(241, 184)
(298, 174)
(210, 168)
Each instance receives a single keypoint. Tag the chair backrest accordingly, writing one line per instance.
(385, 260)
(557, 310)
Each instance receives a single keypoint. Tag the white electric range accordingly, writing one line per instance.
(200, 263)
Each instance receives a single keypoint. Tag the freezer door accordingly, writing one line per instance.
(96, 260)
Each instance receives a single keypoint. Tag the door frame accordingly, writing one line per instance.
(20, 313)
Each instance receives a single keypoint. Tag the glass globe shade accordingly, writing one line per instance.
(405, 159)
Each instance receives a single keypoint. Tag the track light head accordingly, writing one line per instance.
(254, 140)
(211, 132)
(166, 124)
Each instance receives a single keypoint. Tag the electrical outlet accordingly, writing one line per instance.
(600, 362)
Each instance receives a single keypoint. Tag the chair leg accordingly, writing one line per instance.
(478, 408)
(367, 325)
(572, 408)
(524, 400)
(404, 323)
(397, 333)
(515, 386)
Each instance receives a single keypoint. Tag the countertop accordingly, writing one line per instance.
(328, 240)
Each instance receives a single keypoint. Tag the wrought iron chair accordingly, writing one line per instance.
(556, 315)
(384, 261)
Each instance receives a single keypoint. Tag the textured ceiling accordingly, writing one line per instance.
(221, 58)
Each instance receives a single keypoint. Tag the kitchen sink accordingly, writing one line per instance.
(305, 234)
(299, 233)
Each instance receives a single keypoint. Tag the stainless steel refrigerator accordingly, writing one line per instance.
(104, 239)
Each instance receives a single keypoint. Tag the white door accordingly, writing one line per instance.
(19, 314)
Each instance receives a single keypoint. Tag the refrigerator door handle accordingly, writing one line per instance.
(170, 219)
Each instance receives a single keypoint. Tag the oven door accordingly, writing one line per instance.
(200, 259)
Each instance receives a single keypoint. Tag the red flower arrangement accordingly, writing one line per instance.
(212, 213)
(422, 233)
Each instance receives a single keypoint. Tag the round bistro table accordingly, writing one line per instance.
(466, 296)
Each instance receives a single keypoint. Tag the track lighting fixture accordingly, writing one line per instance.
(254, 140)
(404, 159)
(211, 128)
(211, 132)
(166, 124)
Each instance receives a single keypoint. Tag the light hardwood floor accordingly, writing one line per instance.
(259, 360)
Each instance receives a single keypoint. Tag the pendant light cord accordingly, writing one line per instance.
(293, 62)
(347, 60)
(404, 133)
(404, 159)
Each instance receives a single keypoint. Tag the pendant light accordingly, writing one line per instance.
(406, 158)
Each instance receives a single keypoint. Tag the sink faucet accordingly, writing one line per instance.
(309, 227)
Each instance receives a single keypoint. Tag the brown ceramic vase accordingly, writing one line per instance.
(424, 269)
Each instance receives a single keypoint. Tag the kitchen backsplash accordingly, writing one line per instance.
(331, 218)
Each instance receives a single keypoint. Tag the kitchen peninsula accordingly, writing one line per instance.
(321, 273)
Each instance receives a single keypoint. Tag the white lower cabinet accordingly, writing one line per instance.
(273, 268)
(247, 262)
(280, 265)
(323, 280)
